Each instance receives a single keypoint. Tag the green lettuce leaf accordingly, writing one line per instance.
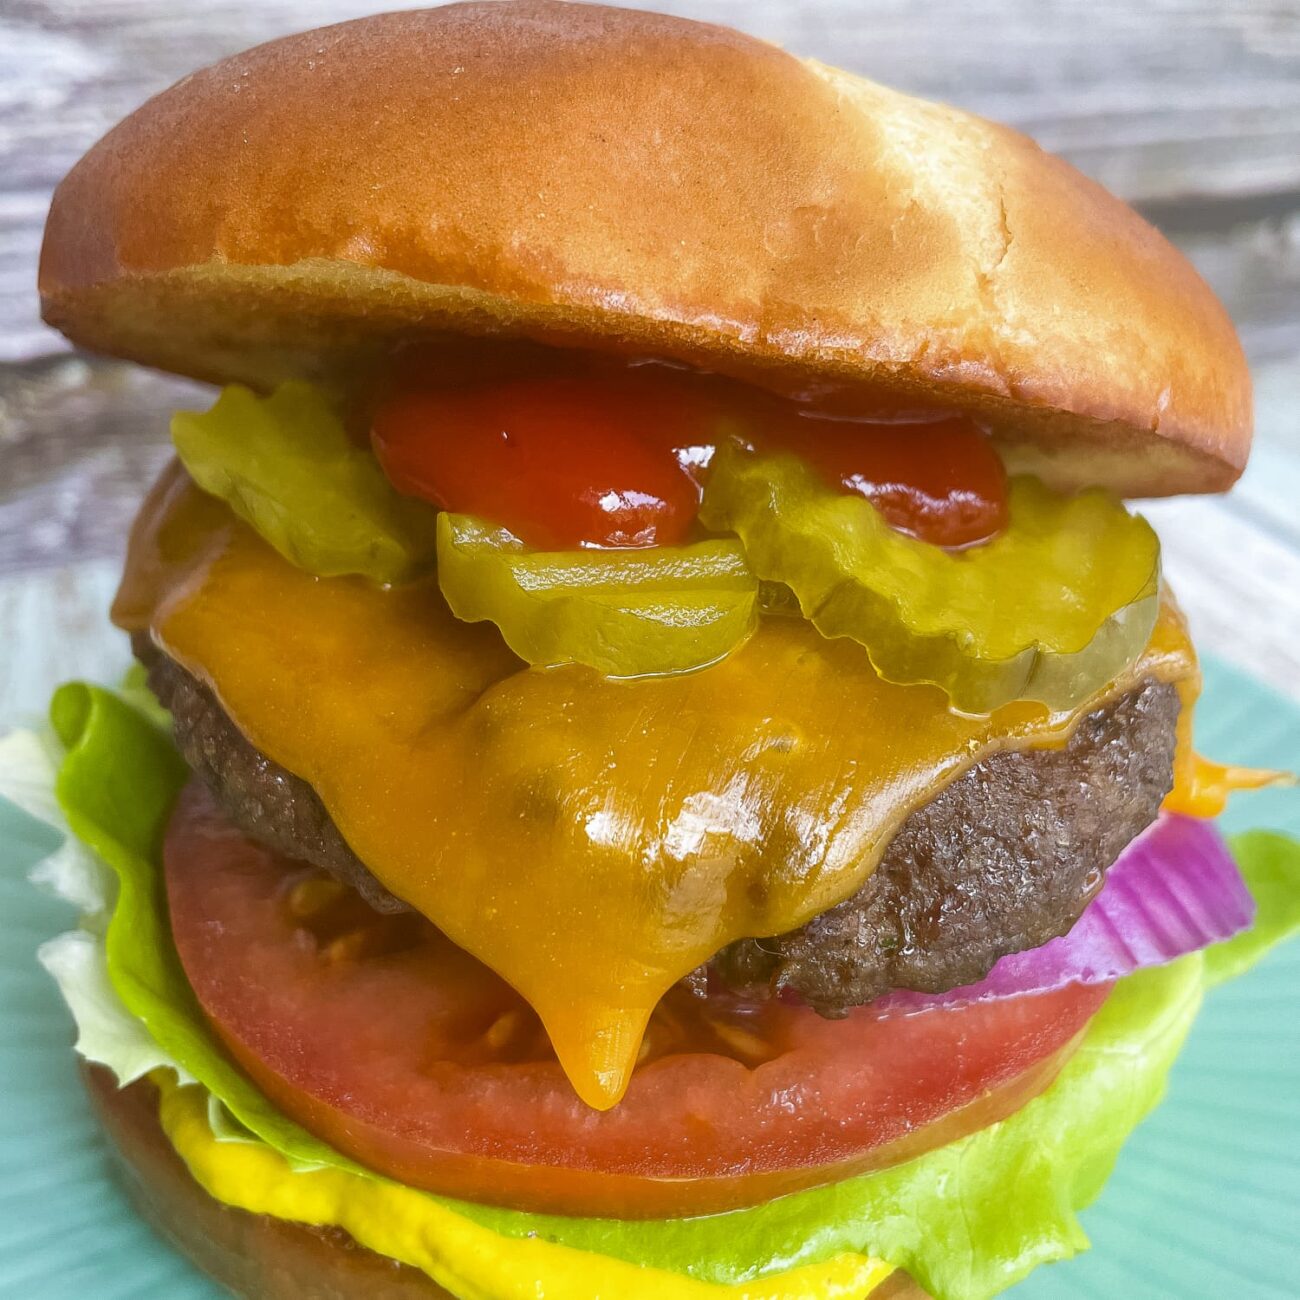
(116, 786)
(967, 1220)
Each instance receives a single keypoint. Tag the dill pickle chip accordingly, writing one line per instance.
(1051, 610)
(286, 466)
(628, 613)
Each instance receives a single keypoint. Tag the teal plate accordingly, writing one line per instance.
(1205, 1201)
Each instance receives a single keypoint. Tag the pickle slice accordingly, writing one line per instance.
(633, 613)
(1050, 610)
(286, 466)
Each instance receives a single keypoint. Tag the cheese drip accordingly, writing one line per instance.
(1202, 787)
(591, 840)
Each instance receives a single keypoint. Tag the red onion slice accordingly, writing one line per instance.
(1174, 890)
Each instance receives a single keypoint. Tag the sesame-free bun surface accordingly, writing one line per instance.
(250, 1255)
(618, 180)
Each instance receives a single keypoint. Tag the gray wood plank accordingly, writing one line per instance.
(1238, 587)
(86, 439)
(1166, 98)
(1172, 102)
(1189, 107)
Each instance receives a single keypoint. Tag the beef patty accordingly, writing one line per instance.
(1003, 859)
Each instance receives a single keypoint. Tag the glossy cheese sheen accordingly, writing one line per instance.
(1202, 788)
(591, 840)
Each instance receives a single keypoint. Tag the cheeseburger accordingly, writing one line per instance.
(665, 768)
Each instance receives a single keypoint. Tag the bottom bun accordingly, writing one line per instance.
(255, 1255)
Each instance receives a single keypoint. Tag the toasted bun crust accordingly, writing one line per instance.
(254, 1255)
(621, 180)
(251, 1255)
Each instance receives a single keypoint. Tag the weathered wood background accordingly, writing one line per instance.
(1188, 108)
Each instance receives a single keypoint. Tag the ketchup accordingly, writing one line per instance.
(938, 480)
(564, 462)
(616, 459)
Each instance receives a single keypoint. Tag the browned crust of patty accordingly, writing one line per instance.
(264, 800)
(254, 1255)
(1003, 859)
(633, 182)
(1000, 861)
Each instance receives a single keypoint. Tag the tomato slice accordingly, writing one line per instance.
(381, 1037)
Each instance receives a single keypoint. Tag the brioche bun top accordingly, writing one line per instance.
(625, 181)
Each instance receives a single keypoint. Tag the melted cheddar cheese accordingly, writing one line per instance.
(591, 840)
(1202, 787)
